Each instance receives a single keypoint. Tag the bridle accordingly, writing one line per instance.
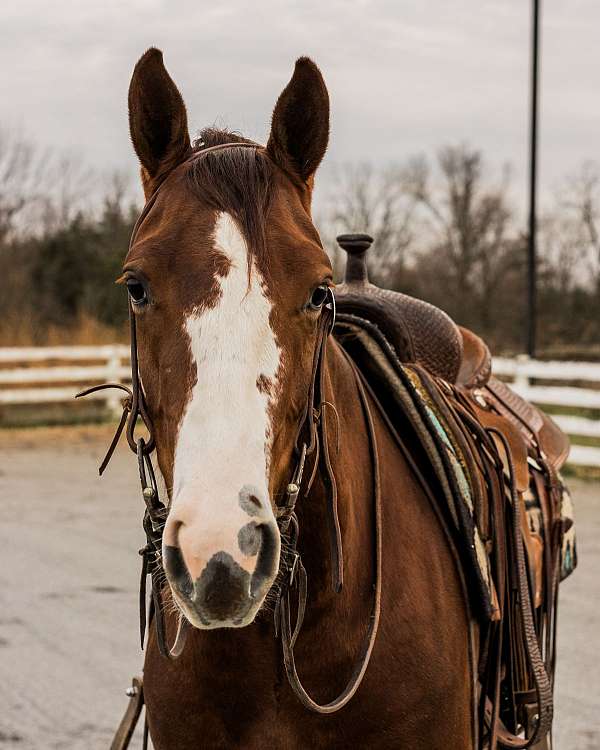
(311, 443)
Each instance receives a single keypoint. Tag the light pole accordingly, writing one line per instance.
(531, 247)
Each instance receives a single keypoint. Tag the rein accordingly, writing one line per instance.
(282, 610)
(156, 512)
(311, 442)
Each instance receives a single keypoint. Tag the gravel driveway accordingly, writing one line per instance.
(68, 596)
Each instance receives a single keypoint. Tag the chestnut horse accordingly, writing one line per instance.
(228, 281)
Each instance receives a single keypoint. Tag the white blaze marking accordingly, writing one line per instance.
(224, 435)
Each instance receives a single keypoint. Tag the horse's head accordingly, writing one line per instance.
(226, 277)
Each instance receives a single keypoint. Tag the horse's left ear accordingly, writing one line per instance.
(157, 119)
(300, 125)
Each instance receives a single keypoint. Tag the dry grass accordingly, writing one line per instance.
(57, 437)
(86, 331)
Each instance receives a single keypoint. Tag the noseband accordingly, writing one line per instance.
(311, 443)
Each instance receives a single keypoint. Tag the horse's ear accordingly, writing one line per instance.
(300, 125)
(157, 118)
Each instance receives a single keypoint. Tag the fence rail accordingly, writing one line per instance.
(43, 375)
(50, 377)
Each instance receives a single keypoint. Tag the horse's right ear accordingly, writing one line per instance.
(157, 119)
(300, 124)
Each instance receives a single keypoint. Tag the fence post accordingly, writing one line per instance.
(113, 397)
(521, 381)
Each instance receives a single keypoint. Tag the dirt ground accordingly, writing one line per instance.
(68, 596)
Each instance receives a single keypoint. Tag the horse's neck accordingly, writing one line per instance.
(348, 442)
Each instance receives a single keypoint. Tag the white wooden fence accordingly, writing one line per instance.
(522, 370)
(54, 374)
(39, 375)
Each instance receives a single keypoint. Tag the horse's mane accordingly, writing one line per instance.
(236, 180)
(217, 136)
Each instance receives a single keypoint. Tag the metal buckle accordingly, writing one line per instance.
(292, 568)
(292, 492)
(331, 306)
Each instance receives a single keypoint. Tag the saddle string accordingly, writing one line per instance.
(540, 667)
(543, 686)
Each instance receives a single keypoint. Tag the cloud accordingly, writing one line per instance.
(403, 77)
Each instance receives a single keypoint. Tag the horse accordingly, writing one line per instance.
(227, 277)
(281, 470)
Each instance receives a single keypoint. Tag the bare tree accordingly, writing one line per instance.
(376, 202)
(69, 187)
(468, 223)
(560, 251)
(579, 205)
(21, 167)
(40, 190)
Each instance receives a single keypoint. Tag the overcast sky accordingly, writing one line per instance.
(403, 76)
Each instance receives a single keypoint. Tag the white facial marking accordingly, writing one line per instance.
(224, 435)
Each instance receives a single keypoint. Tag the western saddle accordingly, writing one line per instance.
(514, 453)
(423, 334)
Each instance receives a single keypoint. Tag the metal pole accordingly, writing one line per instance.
(531, 251)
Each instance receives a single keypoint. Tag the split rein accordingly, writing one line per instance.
(311, 441)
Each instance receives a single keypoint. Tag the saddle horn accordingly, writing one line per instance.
(356, 247)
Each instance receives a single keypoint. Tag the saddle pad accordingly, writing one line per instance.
(408, 398)
(535, 519)
(568, 553)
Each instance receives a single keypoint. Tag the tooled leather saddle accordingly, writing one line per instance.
(424, 334)
(509, 454)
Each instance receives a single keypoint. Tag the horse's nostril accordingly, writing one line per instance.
(249, 501)
(177, 571)
(267, 559)
(249, 539)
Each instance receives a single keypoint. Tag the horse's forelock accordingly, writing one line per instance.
(235, 180)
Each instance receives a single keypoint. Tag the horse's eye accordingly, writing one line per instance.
(137, 293)
(318, 297)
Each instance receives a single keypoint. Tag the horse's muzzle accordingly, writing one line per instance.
(224, 594)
